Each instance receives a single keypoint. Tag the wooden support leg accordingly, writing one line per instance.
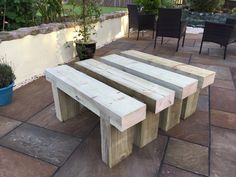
(147, 130)
(170, 117)
(115, 145)
(190, 105)
(66, 107)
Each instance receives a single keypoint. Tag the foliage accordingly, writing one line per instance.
(19, 13)
(205, 5)
(149, 6)
(50, 10)
(233, 12)
(7, 75)
(87, 18)
(168, 3)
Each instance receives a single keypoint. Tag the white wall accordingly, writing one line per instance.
(31, 55)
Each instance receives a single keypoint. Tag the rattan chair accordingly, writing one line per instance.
(140, 21)
(222, 34)
(169, 24)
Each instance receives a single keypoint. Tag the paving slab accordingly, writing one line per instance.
(188, 156)
(223, 119)
(28, 100)
(233, 72)
(41, 143)
(195, 129)
(223, 152)
(170, 171)
(203, 103)
(6, 125)
(80, 126)
(223, 99)
(86, 160)
(14, 164)
(224, 84)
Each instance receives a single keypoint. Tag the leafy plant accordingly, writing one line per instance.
(7, 75)
(50, 10)
(233, 12)
(168, 3)
(17, 13)
(205, 5)
(87, 19)
(149, 6)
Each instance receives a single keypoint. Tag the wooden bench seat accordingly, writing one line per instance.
(157, 98)
(118, 112)
(204, 77)
(182, 85)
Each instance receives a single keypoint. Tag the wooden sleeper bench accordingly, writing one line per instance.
(157, 98)
(118, 112)
(204, 77)
(182, 85)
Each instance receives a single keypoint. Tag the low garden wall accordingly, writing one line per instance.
(32, 50)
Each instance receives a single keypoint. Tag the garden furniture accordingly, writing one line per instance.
(139, 20)
(182, 85)
(156, 97)
(169, 24)
(222, 34)
(204, 77)
(70, 87)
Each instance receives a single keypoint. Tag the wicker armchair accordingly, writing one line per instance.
(169, 24)
(140, 21)
(222, 34)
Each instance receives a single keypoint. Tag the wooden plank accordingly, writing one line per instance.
(115, 145)
(182, 85)
(204, 77)
(156, 97)
(98, 97)
(66, 107)
(190, 105)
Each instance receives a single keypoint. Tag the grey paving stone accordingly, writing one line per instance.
(86, 160)
(223, 153)
(203, 103)
(188, 156)
(41, 143)
(6, 125)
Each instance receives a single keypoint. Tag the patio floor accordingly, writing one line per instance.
(33, 143)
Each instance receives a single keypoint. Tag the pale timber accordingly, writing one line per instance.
(119, 112)
(182, 85)
(157, 98)
(205, 77)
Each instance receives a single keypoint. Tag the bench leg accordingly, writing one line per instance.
(66, 107)
(115, 145)
(190, 105)
(170, 117)
(147, 130)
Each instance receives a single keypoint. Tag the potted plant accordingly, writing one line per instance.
(7, 78)
(88, 16)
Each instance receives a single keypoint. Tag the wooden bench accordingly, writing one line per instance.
(157, 98)
(204, 77)
(182, 85)
(118, 112)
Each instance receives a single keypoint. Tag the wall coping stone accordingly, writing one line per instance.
(50, 27)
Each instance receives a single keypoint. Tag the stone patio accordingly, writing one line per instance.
(33, 143)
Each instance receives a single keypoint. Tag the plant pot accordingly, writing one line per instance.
(6, 94)
(85, 51)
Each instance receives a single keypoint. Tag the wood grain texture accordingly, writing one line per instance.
(98, 97)
(115, 145)
(182, 85)
(171, 116)
(204, 77)
(156, 97)
(146, 131)
(189, 106)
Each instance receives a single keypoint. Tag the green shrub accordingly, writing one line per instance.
(233, 12)
(168, 3)
(50, 10)
(19, 13)
(7, 75)
(205, 5)
(149, 6)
